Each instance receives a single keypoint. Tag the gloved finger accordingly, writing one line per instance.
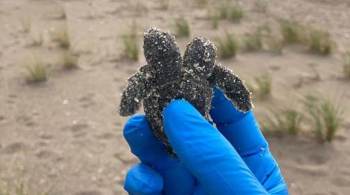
(199, 191)
(206, 153)
(242, 131)
(142, 180)
(275, 183)
(152, 152)
(143, 144)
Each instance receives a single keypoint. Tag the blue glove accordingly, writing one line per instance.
(233, 158)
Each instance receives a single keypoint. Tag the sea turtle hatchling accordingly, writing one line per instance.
(167, 77)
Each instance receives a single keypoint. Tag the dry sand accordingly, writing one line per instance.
(65, 136)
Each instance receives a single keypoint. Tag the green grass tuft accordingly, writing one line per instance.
(36, 71)
(215, 19)
(326, 117)
(236, 13)
(268, 40)
(311, 106)
(182, 28)
(262, 86)
(223, 11)
(231, 12)
(320, 42)
(228, 46)
(285, 120)
(253, 42)
(61, 36)
(292, 32)
(331, 115)
(131, 46)
(69, 60)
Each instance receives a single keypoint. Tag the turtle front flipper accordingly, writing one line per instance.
(233, 87)
(134, 93)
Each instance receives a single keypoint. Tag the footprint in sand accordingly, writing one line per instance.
(92, 192)
(2, 118)
(15, 148)
(78, 129)
(42, 144)
(341, 138)
(11, 98)
(80, 134)
(46, 136)
(341, 181)
(87, 100)
(11, 101)
(25, 120)
(274, 67)
(345, 172)
(318, 159)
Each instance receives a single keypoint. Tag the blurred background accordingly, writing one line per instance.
(64, 63)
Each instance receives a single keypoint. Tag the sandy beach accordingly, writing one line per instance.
(64, 136)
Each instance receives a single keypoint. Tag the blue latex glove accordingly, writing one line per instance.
(233, 158)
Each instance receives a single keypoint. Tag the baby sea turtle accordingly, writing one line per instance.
(166, 77)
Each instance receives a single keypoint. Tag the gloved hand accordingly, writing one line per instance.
(233, 158)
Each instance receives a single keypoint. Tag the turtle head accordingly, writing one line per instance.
(162, 53)
(200, 56)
